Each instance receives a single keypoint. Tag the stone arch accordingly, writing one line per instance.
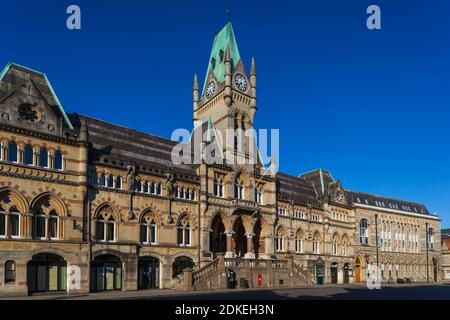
(114, 211)
(18, 198)
(150, 212)
(55, 201)
(225, 220)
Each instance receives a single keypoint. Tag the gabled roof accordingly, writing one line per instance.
(46, 90)
(320, 179)
(223, 40)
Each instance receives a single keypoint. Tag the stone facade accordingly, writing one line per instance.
(87, 205)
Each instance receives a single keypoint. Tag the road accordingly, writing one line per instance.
(330, 292)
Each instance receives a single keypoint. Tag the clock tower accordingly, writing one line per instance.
(228, 95)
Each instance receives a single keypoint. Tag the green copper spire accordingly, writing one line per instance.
(225, 38)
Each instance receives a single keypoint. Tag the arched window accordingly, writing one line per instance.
(43, 158)
(118, 182)
(9, 215)
(103, 180)
(181, 263)
(218, 186)
(363, 232)
(14, 221)
(148, 229)
(105, 225)
(158, 189)
(58, 162)
(279, 240)
(138, 185)
(10, 271)
(239, 188)
(28, 155)
(46, 219)
(146, 187)
(183, 231)
(315, 243)
(110, 181)
(344, 245)
(299, 242)
(53, 225)
(12, 152)
(335, 246)
(2, 221)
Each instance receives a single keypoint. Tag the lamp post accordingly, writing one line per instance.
(426, 240)
(376, 239)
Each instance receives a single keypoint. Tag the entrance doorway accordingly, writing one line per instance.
(46, 272)
(346, 272)
(240, 240)
(106, 273)
(357, 270)
(217, 237)
(334, 273)
(319, 274)
(148, 277)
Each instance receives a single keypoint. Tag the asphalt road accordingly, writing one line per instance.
(399, 292)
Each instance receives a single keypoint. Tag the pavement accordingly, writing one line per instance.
(326, 292)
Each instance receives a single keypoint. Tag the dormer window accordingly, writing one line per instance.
(221, 55)
(213, 63)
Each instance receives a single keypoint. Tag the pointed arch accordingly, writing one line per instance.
(18, 199)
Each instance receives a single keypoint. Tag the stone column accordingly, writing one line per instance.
(250, 254)
(268, 245)
(229, 253)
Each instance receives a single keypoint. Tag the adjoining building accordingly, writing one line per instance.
(87, 205)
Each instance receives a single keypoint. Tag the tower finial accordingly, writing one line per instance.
(229, 15)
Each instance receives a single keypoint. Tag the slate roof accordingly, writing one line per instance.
(445, 233)
(297, 189)
(385, 202)
(113, 142)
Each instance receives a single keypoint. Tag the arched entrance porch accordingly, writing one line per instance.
(106, 273)
(148, 277)
(239, 243)
(46, 272)
(218, 237)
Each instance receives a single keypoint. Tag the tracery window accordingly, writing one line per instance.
(105, 225)
(183, 231)
(148, 229)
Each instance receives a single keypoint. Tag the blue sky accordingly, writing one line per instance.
(370, 106)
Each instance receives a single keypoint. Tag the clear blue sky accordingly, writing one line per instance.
(370, 106)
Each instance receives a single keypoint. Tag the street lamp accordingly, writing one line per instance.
(426, 240)
(376, 239)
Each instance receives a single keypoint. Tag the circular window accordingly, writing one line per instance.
(28, 113)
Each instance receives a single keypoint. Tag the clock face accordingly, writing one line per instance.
(240, 81)
(210, 89)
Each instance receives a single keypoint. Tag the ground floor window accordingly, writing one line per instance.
(10, 271)
(46, 272)
(106, 273)
(148, 273)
